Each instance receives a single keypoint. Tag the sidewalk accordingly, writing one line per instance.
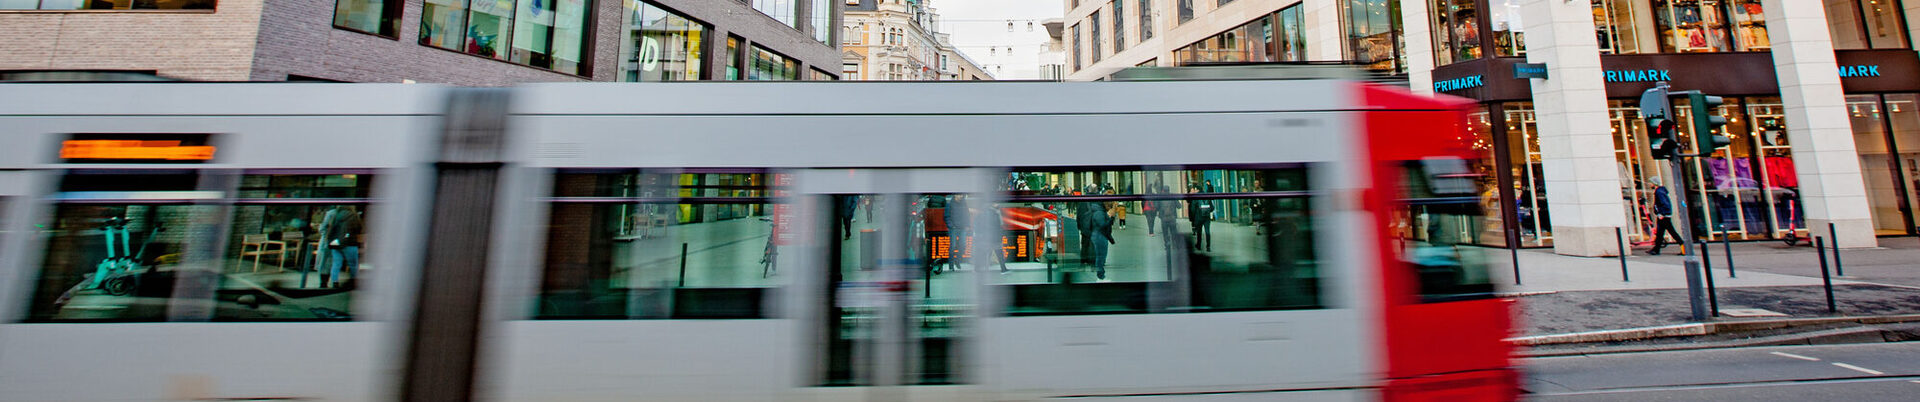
(1562, 294)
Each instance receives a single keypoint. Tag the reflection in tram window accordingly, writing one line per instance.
(298, 240)
(108, 262)
(1134, 241)
(661, 245)
(156, 259)
(1437, 227)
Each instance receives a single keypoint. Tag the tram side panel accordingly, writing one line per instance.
(273, 336)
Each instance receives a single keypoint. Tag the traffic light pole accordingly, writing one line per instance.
(1696, 290)
(1657, 108)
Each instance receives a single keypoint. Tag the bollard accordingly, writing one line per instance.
(1727, 245)
(1825, 280)
(1706, 265)
(683, 265)
(1514, 250)
(1834, 240)
(1622, 239)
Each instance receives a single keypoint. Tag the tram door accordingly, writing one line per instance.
(899, 271)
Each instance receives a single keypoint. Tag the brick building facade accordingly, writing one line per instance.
(259, 40)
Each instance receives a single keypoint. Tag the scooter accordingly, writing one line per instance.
(115, 275)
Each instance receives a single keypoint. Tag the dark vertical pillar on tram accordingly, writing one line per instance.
(441, 354)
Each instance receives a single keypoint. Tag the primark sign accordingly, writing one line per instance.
(1638, 75)
(1459, 84)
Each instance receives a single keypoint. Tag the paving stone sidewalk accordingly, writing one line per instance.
(1562, 294)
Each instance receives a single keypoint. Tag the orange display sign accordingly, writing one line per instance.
(135, 150)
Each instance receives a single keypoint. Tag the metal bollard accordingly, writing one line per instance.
(1834, 240)
(1706, 266)
(1514, 250)
(1618, 236)
(1727, 245)
(683, 265)
(1827, 280)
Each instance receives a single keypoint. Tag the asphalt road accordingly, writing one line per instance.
(1858, 372)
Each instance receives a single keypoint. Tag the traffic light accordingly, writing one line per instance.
(1662, 133)
(1664, 141)
(1706, 125)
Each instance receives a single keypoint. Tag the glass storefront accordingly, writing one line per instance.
(661, 46)
(1276, 37)
(1456, 31)
(1886, 133)
(1689, 26)
(1509, 40)
(1529, 176)
(1373, 36)
(537, 33)
(1866, 24)
(1747, 190)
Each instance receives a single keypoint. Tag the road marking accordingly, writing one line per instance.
(1785, 354)
(1915, 381)
(1859, 369)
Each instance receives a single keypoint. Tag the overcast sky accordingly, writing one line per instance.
(979, 29)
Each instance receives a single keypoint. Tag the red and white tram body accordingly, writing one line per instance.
(1263, 240)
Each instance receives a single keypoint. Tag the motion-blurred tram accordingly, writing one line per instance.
(1257, 240)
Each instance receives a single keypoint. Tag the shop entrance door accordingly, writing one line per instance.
(897, 279)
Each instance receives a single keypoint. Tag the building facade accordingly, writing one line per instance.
(899, 40)
(461, 42)
(1821, 99)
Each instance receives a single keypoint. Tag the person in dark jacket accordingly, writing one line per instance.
(1663, 217)
(848, 205)
(957, 240)
(342, 228)
(1199, 213)
(1100, 233)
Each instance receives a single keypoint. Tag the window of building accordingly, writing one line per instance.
(1093, 42)
(661, 45)
(1244, 43)
(770, 66)
(1241, 240)
(1373, 34)
(1456, 31)
(378, 17)
(616, 244)
(1146, 19)
(1076, 47)
(106, 4)
(291, 252)
(852, 70)
(1508, 38)
(822, 21)
(1693, 26)
(1886, 132)
(733, 58)
(818, 75)
(1222, 2)
(1184, 8)
(1291, 44)
(1119, 26)
(539, 33)
(785, 11)
(1866, 24)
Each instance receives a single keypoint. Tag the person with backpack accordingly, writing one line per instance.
(1199, 214)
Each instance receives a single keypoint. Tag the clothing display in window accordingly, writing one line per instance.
(1780, 172)
(1740, 176)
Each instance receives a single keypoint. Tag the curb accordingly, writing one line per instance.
(1822, 337)
(1696, 329)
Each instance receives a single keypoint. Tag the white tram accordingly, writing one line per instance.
(741, 241)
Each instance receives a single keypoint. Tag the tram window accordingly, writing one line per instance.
(153, 257)
(297, 244)
(118, 262)
(660, 245)
(1436, 231)
(1159, 241)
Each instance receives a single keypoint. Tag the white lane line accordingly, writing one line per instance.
(1785, 354)
(1859, 369)
(1915, 381)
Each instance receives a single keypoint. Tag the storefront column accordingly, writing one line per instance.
(1913, 20)
(1418, 34)
(1576, 141)
(1326, 38)
(1831, 187)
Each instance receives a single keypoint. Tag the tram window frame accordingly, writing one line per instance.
(1446, 187)
(215, 203)
(597, 301)
(1301, 217)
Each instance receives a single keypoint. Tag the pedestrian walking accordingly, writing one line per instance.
(1199, 214)
(1101, 233)
(1663, 217)
(1120, 214)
